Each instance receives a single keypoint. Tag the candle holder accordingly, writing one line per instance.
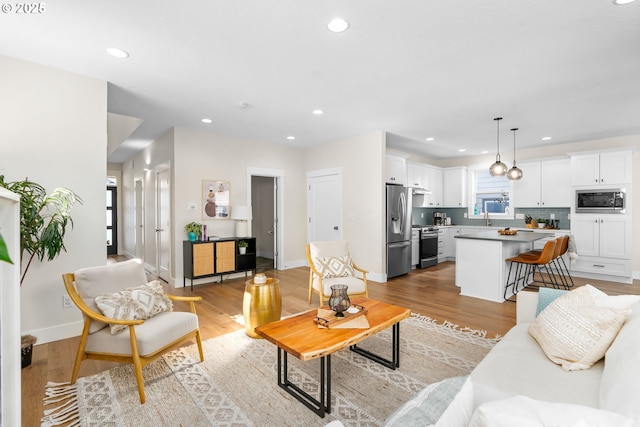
(339, 300)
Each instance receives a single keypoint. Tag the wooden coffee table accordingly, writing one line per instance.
(299, 336)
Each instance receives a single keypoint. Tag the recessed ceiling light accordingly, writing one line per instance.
(484, 152)
(207, 121)
(546, 138)
(337, 25)
(429, 138)
(621, 2)
(118, 53)
(318, 112)
(291, 137)
(462, 150)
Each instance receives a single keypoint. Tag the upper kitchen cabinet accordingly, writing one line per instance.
(416, 175)
(434, 185)
(396, 170)
(455, 187)
(605, 168)
(544, 184)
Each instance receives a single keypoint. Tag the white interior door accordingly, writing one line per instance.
(139, 190)
(163, 224)
(324, 205)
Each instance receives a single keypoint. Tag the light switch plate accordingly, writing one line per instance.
(191, 206)
(519, 216)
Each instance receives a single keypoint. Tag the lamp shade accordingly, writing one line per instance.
(241, 212)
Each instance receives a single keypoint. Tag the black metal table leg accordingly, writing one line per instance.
(395, 343)
(319, 406)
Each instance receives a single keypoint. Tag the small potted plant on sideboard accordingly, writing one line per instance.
(193, 230)
(242, 247)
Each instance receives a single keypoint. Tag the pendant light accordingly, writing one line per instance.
(514, 173)
(498, 168)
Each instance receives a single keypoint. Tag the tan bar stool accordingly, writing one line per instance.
(527, 264)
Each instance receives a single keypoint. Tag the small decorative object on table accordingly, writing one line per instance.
(242, 246)
(339, 300)
(353, 317)
(507, 232)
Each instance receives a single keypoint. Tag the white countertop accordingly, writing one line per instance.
(520, 237)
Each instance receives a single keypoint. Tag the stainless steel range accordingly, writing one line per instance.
(428, 247)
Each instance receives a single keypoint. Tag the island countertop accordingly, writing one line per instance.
(520, 237)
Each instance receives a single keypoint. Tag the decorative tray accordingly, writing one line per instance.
(329, 319)
(507, 232)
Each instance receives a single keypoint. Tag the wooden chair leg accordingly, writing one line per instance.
(199, 341)
(310, 286)
(137, 364)
(80, 354)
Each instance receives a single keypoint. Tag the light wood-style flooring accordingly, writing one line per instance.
(430, 292)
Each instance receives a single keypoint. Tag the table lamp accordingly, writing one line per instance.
(241, 214)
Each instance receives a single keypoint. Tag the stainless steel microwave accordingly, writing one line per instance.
(600, 201)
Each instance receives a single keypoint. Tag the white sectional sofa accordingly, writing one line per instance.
(516, 384)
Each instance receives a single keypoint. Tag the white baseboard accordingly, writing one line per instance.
(607, 277)
(295, 264)
(56, 333)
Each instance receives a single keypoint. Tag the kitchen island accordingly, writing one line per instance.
(481, 269)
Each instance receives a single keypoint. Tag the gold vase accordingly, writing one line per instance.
(262, 304)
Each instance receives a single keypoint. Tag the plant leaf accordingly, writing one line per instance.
(4, 252)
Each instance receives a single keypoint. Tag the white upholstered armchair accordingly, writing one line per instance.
(126, 319)
(330, 264)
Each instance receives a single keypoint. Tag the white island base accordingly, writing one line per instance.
(481, 269)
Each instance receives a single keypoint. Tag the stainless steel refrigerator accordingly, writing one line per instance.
(398, 230)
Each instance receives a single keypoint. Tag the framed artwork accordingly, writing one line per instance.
(215, 199)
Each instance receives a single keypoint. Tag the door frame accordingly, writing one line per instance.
(158, 170)
(278, 174)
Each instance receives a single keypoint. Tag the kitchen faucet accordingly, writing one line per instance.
(486, 218)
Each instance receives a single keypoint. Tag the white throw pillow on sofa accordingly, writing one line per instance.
(621, 375)
(522, 411)
(574, 332)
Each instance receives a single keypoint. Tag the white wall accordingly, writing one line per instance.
(54, 131)
(207, 156)
(362, 159)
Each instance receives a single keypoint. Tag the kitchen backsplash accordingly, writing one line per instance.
(424, 216)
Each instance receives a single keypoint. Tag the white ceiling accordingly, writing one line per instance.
(569, 69)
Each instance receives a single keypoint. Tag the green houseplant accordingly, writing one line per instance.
(43, 219)
(193, 230)
(242, 246)
(43, 224)
(4, 252)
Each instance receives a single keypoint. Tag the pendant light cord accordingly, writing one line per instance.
(514, 146)
(497, 119)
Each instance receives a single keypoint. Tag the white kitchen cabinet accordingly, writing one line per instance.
(416, 175)
(603, 244)
(433, 183)
(450, 242)
(396, 170)
(605, 168)
(442, 233)
(454, 187)
(544, 184)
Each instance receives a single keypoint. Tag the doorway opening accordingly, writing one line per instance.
(263, 189)
(266, 201)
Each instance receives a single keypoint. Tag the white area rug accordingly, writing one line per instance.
(236, 385)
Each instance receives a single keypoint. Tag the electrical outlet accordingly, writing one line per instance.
(465, 215)
(66, 301)
(519, 216)
(421, 214)
(552, 216)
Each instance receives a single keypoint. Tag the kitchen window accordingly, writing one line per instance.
(489, 194)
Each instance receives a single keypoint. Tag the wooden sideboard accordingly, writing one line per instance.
(216, 258)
